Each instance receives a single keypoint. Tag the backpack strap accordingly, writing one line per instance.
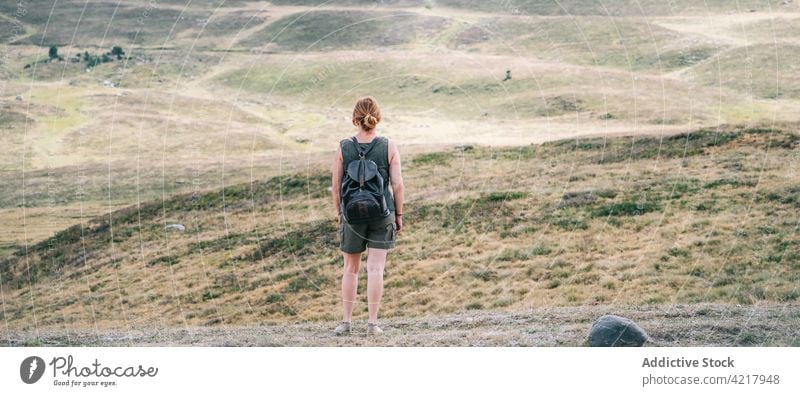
(388, 164)
(363, 153)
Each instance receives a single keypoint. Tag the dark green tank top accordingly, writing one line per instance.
(379, 154)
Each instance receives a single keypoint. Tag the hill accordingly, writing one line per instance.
(705, 216)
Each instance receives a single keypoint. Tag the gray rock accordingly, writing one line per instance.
(616, 331)
(176, 227)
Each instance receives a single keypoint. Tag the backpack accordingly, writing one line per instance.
(362, 198)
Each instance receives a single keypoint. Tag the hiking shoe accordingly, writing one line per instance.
(342, 328)
(373, 329)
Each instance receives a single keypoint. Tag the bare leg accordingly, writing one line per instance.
(376, 260)
(352, 263)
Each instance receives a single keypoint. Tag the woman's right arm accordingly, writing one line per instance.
(336, 180)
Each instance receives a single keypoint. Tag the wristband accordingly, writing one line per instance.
(398, 214)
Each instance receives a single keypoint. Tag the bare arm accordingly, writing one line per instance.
(396, 179)
(336, 179)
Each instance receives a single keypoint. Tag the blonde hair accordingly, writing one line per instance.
(367, 113)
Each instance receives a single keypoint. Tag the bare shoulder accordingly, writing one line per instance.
(392, 147)
(339, 149)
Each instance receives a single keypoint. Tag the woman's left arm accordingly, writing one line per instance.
(396, 179)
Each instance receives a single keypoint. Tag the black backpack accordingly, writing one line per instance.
(362, 189)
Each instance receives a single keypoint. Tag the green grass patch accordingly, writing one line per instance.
(311, 238)
(474, 306)
(168, 260)
(625, 209)
(484, 274)
(275, 298)
(305, 282)
(500, 196)
(222, 243)
(523, 254)
(211, 295)
(678, 252)
(571, 223)
(435, 158)
(735, 183)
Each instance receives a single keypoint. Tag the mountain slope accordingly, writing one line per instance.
(706, 216)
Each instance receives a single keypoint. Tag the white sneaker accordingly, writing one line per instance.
(342, 329)
(373, 329)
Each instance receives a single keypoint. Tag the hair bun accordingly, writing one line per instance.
(369, 122)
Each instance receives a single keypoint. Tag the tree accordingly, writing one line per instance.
(53, 52)
(91, 60)
(117, 51)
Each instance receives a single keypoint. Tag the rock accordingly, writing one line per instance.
(613, 330)
(176, 227)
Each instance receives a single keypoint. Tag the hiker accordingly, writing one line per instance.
(376, 233)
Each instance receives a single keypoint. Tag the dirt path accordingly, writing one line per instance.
(678, 325)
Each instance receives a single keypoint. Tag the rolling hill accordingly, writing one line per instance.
(676, 219)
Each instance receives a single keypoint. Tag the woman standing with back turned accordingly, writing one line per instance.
(379, 236)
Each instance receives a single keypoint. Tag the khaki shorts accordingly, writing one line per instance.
(355, 238)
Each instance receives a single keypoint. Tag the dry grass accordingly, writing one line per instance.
(659, 220)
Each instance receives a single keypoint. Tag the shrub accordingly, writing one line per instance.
(484, 274)
(117, 51)
(210, 295)
(275, 297)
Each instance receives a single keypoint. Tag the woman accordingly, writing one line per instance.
(379, 236)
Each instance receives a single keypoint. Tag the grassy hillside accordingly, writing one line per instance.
(459, 88)
(325, 30)
(625, 43)
(759, 71)
(613, 7)
(642, 220)
(200, 79)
